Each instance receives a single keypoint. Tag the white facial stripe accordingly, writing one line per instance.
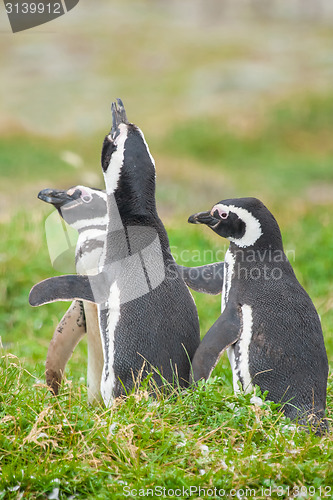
(79, 225)
(85, 192)
(222, 209)
(144, 140)
(253, 229)
(101, 194)
(112, 174)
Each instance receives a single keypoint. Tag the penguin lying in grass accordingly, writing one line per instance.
(85, 209)
(147, 317)
(268, 322)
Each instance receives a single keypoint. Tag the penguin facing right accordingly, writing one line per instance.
(268, 322)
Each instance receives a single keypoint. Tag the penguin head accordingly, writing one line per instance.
(128, 167)
(79, 206)
(246, 222)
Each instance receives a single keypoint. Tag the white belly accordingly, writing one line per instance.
(108, 376)
(95, 353)
(239, 366)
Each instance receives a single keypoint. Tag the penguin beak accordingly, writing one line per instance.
(118, 116)
(203, 218)
(56, 197)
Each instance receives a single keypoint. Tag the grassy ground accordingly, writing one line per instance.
(205, 439)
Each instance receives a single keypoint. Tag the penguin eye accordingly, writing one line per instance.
(220, 214)
(86, 198)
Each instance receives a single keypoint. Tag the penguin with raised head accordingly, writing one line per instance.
(268, 322)
(147, 317)
(85, 209)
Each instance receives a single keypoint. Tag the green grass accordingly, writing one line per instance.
(286, 153)
(207, 438)
(34, 158)
(186, 439)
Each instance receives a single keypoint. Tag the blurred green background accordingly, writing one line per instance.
(235, 99)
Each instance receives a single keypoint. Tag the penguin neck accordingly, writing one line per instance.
(135, 202)
(123, 213)
(265, 251)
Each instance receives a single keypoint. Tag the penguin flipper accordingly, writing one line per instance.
(225, 331)
(69, 287)
(67, 335)
(204, 279)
